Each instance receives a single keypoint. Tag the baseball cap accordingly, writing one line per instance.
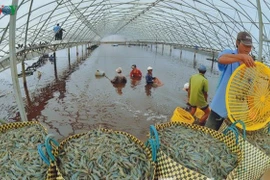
(202, 68)
(149, 68)
(245, 38)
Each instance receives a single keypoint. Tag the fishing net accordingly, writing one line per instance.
(180, 156)
(248, 96)
(255, 161)
(102, 154)
(18, 151)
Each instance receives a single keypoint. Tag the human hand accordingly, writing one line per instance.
(247, 60)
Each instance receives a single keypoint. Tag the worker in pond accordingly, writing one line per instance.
(198, 94)
(135, 72)
(150, 80)
(51, 58)
(56, 30)
(119, 78)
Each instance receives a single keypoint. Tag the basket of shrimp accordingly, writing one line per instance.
(186, 151)
(255, 146)
(103, 154)
(19, 157)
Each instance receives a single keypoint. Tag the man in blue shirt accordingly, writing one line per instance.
(228, 61)
(149, 76)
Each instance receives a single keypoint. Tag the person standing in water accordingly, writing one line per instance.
(149, 76)
(119, 78)
(135, 72)
(197, 94)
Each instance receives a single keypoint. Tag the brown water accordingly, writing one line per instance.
(76, 101)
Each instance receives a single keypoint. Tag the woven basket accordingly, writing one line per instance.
(18, 125)
(254, 163)
(54, 171)
(170, 169)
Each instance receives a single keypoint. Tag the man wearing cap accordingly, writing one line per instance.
(119, 78)
(197, 94)
(228, 61)
(149, 76)
(135, 72)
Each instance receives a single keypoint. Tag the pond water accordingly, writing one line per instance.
(75, 100)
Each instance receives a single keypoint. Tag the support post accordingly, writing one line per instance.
(194, 59)
(69, 57)
(13, 63)
(77, 53)
(260, 31)
(213, 61)
(55, 65)
(82, 51)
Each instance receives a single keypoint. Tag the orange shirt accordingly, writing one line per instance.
(136, 73)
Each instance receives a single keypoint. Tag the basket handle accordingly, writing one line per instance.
(153, 145)
(48, 149)
(153, 141)
(48, 140)
(154, 134)
(234, 129)
(42, 155)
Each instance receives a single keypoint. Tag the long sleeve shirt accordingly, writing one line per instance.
(136, 73)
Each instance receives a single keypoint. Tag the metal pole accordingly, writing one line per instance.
(180, 54)
(77, 52)
(13, 63)
(55, 65)
(260, 31)
(82, 51)
(194, 59)
(69, 56)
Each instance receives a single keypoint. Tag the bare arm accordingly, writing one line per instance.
(189, 90)
(205, 96)
(231, 58)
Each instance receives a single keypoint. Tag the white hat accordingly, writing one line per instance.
(186, 86)
(149, 68)
(119, 69)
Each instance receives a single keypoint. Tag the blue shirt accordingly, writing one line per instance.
(218, 103)
(56, 29)
(149, 79)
